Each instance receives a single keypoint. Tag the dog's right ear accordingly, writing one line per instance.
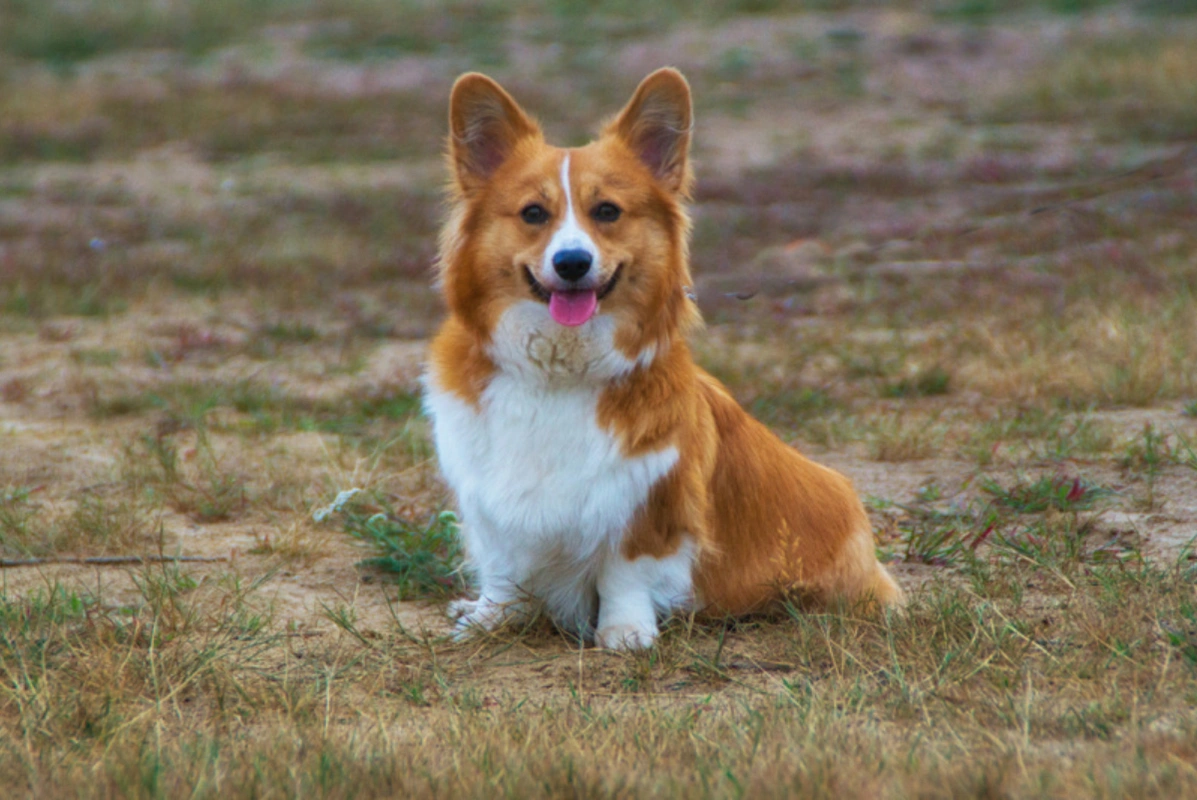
(485, 125)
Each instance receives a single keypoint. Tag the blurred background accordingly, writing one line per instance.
(948, 247)
(228, 144)
(903, 209)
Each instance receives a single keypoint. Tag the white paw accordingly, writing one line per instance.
(474, 616)
(461, 608)
(626, 637)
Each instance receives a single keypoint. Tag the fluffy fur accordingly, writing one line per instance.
(597, 468)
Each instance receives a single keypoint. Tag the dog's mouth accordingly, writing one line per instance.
(575, 307)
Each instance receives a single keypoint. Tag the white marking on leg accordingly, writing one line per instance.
(545, 493)
(633, 593)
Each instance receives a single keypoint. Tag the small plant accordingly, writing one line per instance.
(1190, 409)
(792, 405)
(1186, 453)
(1080, 435)
(1149, 452)
(1147, 455)
(424, 560)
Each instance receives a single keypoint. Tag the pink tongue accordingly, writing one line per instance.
(572, 308)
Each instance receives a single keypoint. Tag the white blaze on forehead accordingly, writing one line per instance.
(569, 234)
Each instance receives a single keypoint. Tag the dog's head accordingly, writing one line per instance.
(571, 240)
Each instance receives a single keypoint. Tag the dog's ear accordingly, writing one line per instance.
(485, 125)
(656, 125)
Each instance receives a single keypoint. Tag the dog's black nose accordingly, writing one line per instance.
(572, 264)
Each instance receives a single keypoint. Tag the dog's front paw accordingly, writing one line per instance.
(626, 637)
(474, 616)
(461, 608)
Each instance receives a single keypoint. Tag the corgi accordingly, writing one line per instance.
(598, 470)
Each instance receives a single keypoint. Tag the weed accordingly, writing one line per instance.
(16, 514)
(1077, 436)
(291, 332)
(1050, 434)
(1147, 456)
(422, 560)
(1186, 452)
(943, 538)
(1182, 632)
(1046, 493)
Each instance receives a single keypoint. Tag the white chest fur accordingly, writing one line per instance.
(546, 493)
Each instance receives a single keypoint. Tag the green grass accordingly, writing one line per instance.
(792, 407)
(96, 357)
(1050, 434)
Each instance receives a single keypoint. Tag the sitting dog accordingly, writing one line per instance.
(598, 469)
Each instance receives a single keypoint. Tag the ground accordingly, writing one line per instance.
(946, 248)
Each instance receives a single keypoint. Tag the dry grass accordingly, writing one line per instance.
(945, 248)
(187, 689)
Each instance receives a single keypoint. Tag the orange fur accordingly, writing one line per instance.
(767, 521)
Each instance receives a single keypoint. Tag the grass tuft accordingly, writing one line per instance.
(894, 439)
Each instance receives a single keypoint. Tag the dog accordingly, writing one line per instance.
(598, 470)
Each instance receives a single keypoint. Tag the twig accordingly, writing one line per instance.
(6, 563)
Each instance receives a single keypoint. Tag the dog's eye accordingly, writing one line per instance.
(606, 212)
(534, 214)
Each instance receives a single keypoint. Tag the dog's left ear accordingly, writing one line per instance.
(656, 125)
